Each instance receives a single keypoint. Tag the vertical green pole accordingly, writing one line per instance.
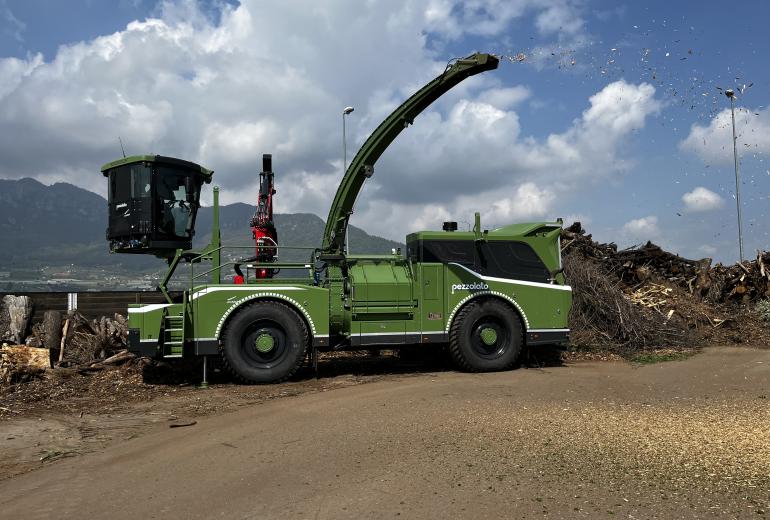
(216, 241)
(477, 225)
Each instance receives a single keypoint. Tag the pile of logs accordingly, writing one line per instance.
(68, 340)
(740, 282)
(737, 283)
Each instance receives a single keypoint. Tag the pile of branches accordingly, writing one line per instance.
(645, 296)
(604, 315)
(88, 341)
(637, 264)
(720, 284)
(65, 341)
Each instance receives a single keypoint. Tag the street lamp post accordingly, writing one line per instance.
(731, 94)
(345, 111)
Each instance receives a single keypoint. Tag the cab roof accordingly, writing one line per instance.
(505, 232)
(162, 159)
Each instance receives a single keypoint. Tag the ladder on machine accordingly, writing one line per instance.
(173, 334)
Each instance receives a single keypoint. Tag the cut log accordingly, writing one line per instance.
(17, 361)
(118, 358)
(52, 330)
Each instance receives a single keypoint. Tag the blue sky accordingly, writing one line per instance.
(609, 114)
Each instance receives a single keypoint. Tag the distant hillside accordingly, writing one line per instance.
(62, 224)
(34, 215)
(294, 229)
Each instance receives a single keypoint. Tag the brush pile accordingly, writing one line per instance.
(90, 341)
(74, 342)
(646, 297)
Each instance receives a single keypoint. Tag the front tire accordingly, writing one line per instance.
(265, 342)
(486, 336)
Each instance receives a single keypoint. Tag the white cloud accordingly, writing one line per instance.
(702, 199)
(14, 71)
(438, 17)
(477, 147)
(273, 76)
(183, 85)
(559, 17)
(454, 18)
(714, 143)
(528, 201)
(642, 229)
(584, 220)
(621, 107)
(505, 98)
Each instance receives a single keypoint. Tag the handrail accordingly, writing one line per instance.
(282, 265)
(195, 257)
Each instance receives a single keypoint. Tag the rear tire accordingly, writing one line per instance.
(265, 342)
(486, 336)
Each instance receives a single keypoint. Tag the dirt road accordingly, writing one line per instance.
(684, 439)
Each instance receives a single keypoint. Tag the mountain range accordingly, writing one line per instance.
(62, 227)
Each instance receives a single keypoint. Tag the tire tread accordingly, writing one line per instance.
(454, 341)
(455, 350)
(305, 340)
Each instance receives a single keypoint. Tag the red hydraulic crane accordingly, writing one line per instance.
(262, 227)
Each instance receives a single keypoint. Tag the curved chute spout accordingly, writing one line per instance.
(362, 166)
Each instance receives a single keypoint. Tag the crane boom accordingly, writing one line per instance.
(262, 227)
(362, 166)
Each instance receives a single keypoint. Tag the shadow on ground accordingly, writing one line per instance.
(363, 363)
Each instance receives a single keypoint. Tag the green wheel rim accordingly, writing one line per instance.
(264, 343)
(488, 336)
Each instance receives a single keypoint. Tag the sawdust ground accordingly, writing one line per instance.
(684, 439)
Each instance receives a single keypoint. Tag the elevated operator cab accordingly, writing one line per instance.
(153, 201)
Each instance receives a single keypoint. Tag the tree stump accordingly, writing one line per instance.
(19, 312)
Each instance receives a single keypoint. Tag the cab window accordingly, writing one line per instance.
(508, 259)
(174, 212)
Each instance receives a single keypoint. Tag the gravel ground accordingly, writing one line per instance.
(682, 439)
(718, 447)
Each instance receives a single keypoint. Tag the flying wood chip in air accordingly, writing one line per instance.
(517, 58)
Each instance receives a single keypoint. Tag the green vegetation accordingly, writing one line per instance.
(763, 309)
